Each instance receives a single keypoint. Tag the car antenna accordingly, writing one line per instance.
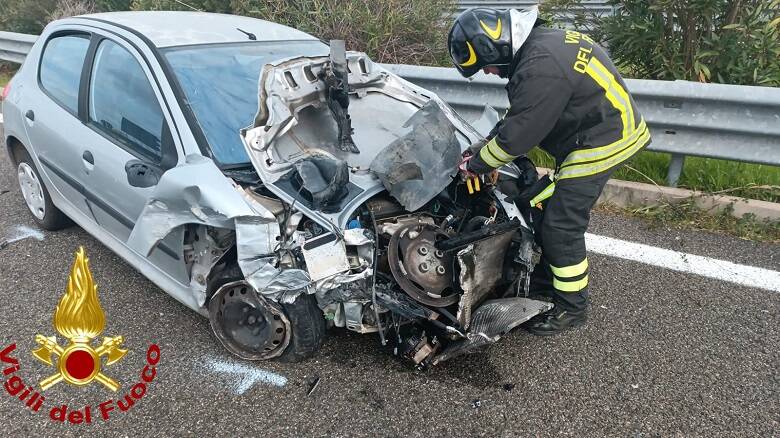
(249, 35)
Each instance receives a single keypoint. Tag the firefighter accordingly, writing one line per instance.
(567, 97)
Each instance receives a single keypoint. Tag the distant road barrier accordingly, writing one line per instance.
(729, 122)
(14, 46)
(600, 7)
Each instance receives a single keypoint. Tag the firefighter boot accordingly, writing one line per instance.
(556, 320)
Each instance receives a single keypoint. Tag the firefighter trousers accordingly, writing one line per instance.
(563, 269)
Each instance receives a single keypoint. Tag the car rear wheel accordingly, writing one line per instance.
(37, 197)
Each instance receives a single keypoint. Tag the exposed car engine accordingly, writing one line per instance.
(432, 284)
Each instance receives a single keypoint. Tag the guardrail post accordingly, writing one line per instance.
(675, 169)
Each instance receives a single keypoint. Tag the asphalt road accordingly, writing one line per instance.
(664, 353)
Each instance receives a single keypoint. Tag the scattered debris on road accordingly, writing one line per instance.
(314, 382)
(22, 232)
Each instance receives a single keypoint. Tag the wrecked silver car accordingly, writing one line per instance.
(350, 212)
(374, 221)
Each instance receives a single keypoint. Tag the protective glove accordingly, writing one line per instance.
(476, 147)
(528, 174)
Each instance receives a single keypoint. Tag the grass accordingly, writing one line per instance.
(7, 71)
(733, 178)
(687, 215)
(4, 78)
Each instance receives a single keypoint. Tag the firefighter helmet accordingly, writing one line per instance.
(482, 37)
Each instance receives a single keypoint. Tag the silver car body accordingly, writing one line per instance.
(151, 226)
(57, 145)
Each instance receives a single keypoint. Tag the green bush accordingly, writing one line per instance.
(221, 6)
(112, 5)
(393, 31)
(25, 16)
(735, 41)
(31, 16)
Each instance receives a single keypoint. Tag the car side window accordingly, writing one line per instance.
(122, 102)
(60, 68)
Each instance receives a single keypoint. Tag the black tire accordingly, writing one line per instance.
(307, 323)
(308, 329)
(53, 218)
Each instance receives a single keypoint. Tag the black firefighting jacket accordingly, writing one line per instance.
(567, 97)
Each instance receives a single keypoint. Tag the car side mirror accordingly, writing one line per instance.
(142, 175)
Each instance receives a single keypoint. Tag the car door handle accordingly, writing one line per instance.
(30, 115)
(87, 156)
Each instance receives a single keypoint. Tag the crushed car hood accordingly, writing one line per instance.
(410, 142)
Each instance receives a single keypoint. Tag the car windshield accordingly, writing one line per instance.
(220, 84)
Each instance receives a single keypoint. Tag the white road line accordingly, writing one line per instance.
(1, 118)
(246, 376)
(682, 262)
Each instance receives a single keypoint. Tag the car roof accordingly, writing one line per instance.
(179, 28)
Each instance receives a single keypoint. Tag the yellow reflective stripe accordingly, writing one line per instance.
(570, 271)
(610, 85)
(499, 153)
(601, 152)
(472, 56)
(570, 286)
(588, 169)
(615, 85)
(494, 34)
(595, 160)
(546, 193)
(488, 158)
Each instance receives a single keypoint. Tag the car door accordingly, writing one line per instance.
(50, 112)
(128, 147)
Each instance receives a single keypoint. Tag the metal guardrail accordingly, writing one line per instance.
(14, 46)
(600, 7)
(727, 122)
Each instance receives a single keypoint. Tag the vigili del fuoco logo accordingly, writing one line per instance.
(80, 319)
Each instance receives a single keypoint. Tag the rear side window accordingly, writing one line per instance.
(60, 71)
(122, 102)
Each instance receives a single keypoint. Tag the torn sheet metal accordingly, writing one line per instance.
(487, 121)
(481, 265)
(492, 320)
(177, 200)
(205, 253)
(293, 122)
(343, 287)
(256, 242)
(418, 166)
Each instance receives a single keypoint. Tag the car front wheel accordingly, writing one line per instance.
(254, 328)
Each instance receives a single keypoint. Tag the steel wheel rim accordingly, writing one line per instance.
(234, 336)
(32, 190)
